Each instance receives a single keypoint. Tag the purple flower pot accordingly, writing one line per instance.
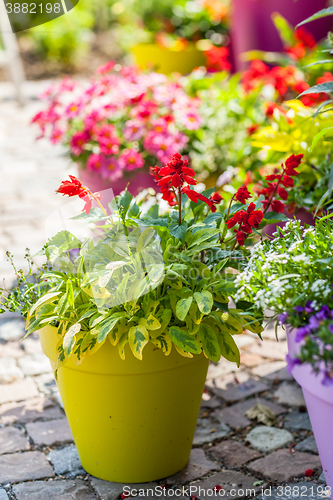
(136, 181)
(301, 214)
(252, 27)
(319, 402)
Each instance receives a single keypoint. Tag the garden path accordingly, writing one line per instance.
(231, 448)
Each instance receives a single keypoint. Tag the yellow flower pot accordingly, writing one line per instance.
(132, 421)
(165, 60)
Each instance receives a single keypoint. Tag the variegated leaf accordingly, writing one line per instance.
(138, 337)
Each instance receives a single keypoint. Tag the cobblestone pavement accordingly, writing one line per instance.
(253, 430)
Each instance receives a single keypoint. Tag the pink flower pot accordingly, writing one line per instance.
(137, 180)
(252, 27)
(301, 214)
(319, 402)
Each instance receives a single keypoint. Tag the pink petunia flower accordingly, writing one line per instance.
(78, 142)
(131, 159)
(95, 162)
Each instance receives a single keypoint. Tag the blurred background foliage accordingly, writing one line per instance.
(93, 31)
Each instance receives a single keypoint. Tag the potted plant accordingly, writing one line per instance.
(131, 316)
(292, 275)
(252, 26)
(119, 124)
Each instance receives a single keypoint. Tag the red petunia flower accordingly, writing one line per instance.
(217, 59)
(73, 187)
(242, 194)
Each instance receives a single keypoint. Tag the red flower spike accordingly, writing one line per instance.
(308, 473)
(216, 198)
(242, 194)
(240, 236)
(73, 187)
(194, 196)
(277, 206)
(282, 193)
(287, 181)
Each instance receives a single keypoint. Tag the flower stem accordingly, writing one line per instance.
(274, 192)
(99, 203)
(180, 205)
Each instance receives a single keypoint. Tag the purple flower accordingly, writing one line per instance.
(330, 327)
(299, 309)
(302, 332)
(291, 362)
(313, 323)
(328, 379)
(309, 307)
(283, 318)
(324, 313)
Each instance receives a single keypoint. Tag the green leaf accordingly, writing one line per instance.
(69, 293)
(163, 342)
(182, 308)
(49, 297)
(317, 15)
(117, 331)
(63, 305)
(178, 231)
(274, 217)
(125, 202)
(69, 338)
(145, 238)
(184, 340)
(104, 328)
(150, 322)
(209, 342)
(317, 89)
(286, 31)
(164, 320)
(322, 133)
(95, 214)
(229, 349)
(204, 300)
(133, 211)
(138, 337)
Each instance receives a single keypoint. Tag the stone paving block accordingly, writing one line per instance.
(54, 490)
(297, 420)
(270, 349)
(232, 453)
(46, 383)
(250, 360)
(13, 329)
(29, 411)
(18, 391)
(9, 371)
(35, 364)
(197, 467)
(276, 370)
(290, 394)
(236, 392)
(266, 439)
(269, 333)
(112, 491)
(322, 478)
(303, 489)
(206, 431)
(231, 379)
(26, 466)
(244, 340)
(235, 485)
(3, 494)
(216, 370)
(50, 433)
(32, 345)
(281, 465)
(12, 440)
(66, 461)
(209, 401)
(11, 350)
(308, 444)
(234, 415)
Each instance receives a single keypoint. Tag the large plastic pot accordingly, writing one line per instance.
(252, 27)
(136, 181)
(319, 402)
(164, 60)
(132, 421)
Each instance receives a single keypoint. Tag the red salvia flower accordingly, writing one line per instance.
(216, 198)
(240, 236)
(246, 220)
(277, 206)
(242, 194)
(73, 187)
(194, 196)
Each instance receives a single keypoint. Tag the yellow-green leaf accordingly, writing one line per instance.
(184, 340)
(150, 322)
(195, 315)
(138, 337)
(49, 297)
(121, 345)
(163, 342)
(204, 300)
(182, 308)
(145, 238)
(229, 349)
(69, 338)
(117, 331)
(209, 342)
(164, 319)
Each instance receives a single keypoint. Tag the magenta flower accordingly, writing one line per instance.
(78, 142)
(56, 135)
(95, 162)
(111, 169)
(130, 160)
(73, 109)
(134, 130)
(191, 120)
